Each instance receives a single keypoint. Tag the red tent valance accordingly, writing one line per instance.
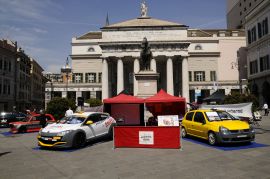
(123, 98)
(164, 104)
(162, 96)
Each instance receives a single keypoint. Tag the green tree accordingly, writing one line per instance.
(235, 98)
(58, 106)
(94, 102)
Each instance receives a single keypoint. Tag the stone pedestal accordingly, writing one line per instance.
(147, 83)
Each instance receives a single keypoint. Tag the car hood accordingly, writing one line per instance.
(55, 127)
(232, 124)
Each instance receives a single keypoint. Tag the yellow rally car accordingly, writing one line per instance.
(217, 127)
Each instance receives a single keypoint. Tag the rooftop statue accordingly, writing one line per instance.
(143, 9)
(145, 55)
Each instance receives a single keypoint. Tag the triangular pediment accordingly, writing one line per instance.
(144, 22)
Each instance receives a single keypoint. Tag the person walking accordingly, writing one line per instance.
(265, 107)
(69, 112)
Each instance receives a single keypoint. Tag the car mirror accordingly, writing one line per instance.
(89, 122)
(203, 122)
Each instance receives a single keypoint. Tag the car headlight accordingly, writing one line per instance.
(39, 132)
(251, 129)
(224, 130)
(63, 133)
(4, 120)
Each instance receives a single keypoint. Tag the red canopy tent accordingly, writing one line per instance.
(128, 108)
(164, 104)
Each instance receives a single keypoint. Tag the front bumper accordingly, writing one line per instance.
(51, 140)
(237, 136)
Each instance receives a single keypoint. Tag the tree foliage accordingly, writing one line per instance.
(235, 98)
(94, 102)
(58, 106)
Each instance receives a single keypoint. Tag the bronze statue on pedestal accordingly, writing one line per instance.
(145, 56)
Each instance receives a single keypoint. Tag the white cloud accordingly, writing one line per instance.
(41, 31)
(211, 23)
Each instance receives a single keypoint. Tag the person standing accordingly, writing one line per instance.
(42, 119)
(265, 107)
(69, 112)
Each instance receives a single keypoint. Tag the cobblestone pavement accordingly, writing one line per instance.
(20, 158)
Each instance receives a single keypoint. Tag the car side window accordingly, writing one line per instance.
(94, 118)
(103, 116)
(199, 117)
(189, 116)
(48, 118)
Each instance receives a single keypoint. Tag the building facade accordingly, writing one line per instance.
(237, 10)
(253, 16)
(20, 79)
(192, 63)
(258, 58)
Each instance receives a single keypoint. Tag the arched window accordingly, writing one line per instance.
(198, 47)
(91, 49)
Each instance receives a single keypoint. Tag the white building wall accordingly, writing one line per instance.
(227, 63)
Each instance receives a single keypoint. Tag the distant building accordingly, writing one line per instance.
(253, 16)
(237, 10)
(21, 81)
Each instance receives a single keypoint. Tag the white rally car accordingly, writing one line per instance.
(76, 130)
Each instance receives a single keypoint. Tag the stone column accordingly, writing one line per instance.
(105, 81)
(136, 69)
(153, 65)
(170, 89)
(120, 75)
(185, 83)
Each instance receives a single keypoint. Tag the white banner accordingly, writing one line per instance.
(241, 109)
(169, 120)
(146, 137)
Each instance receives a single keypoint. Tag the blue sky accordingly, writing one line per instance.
(44, 28)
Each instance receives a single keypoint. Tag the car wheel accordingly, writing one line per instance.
(22, 129)
(183, 132)
(110, 133)
(212, 139)
(79, 140)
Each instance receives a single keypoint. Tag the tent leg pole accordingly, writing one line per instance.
(181, 147)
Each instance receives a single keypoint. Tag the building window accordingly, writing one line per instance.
(99, 77)
(5, 65)
(213, 76)
(1, 62)
(199, 76)
(252, 35)
(253, 67)
(249, 37)
(265, 27)
(264, 63)
(190, 76)
(90, 77)
(198, 47)
(259, 30)
(77, 78)
(9, 66)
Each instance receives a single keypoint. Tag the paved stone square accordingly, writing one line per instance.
(20, 158)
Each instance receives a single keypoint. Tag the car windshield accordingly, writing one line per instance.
(218, 116)
(72, 120)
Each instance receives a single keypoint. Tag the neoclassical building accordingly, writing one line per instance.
(192, 63)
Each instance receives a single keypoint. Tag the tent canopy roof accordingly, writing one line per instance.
(216, 96)
(123, 98)
(162, 96)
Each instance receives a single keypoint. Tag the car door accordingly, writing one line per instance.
(88, 129)
(198, 125)
(99, 125)
(188, 121)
